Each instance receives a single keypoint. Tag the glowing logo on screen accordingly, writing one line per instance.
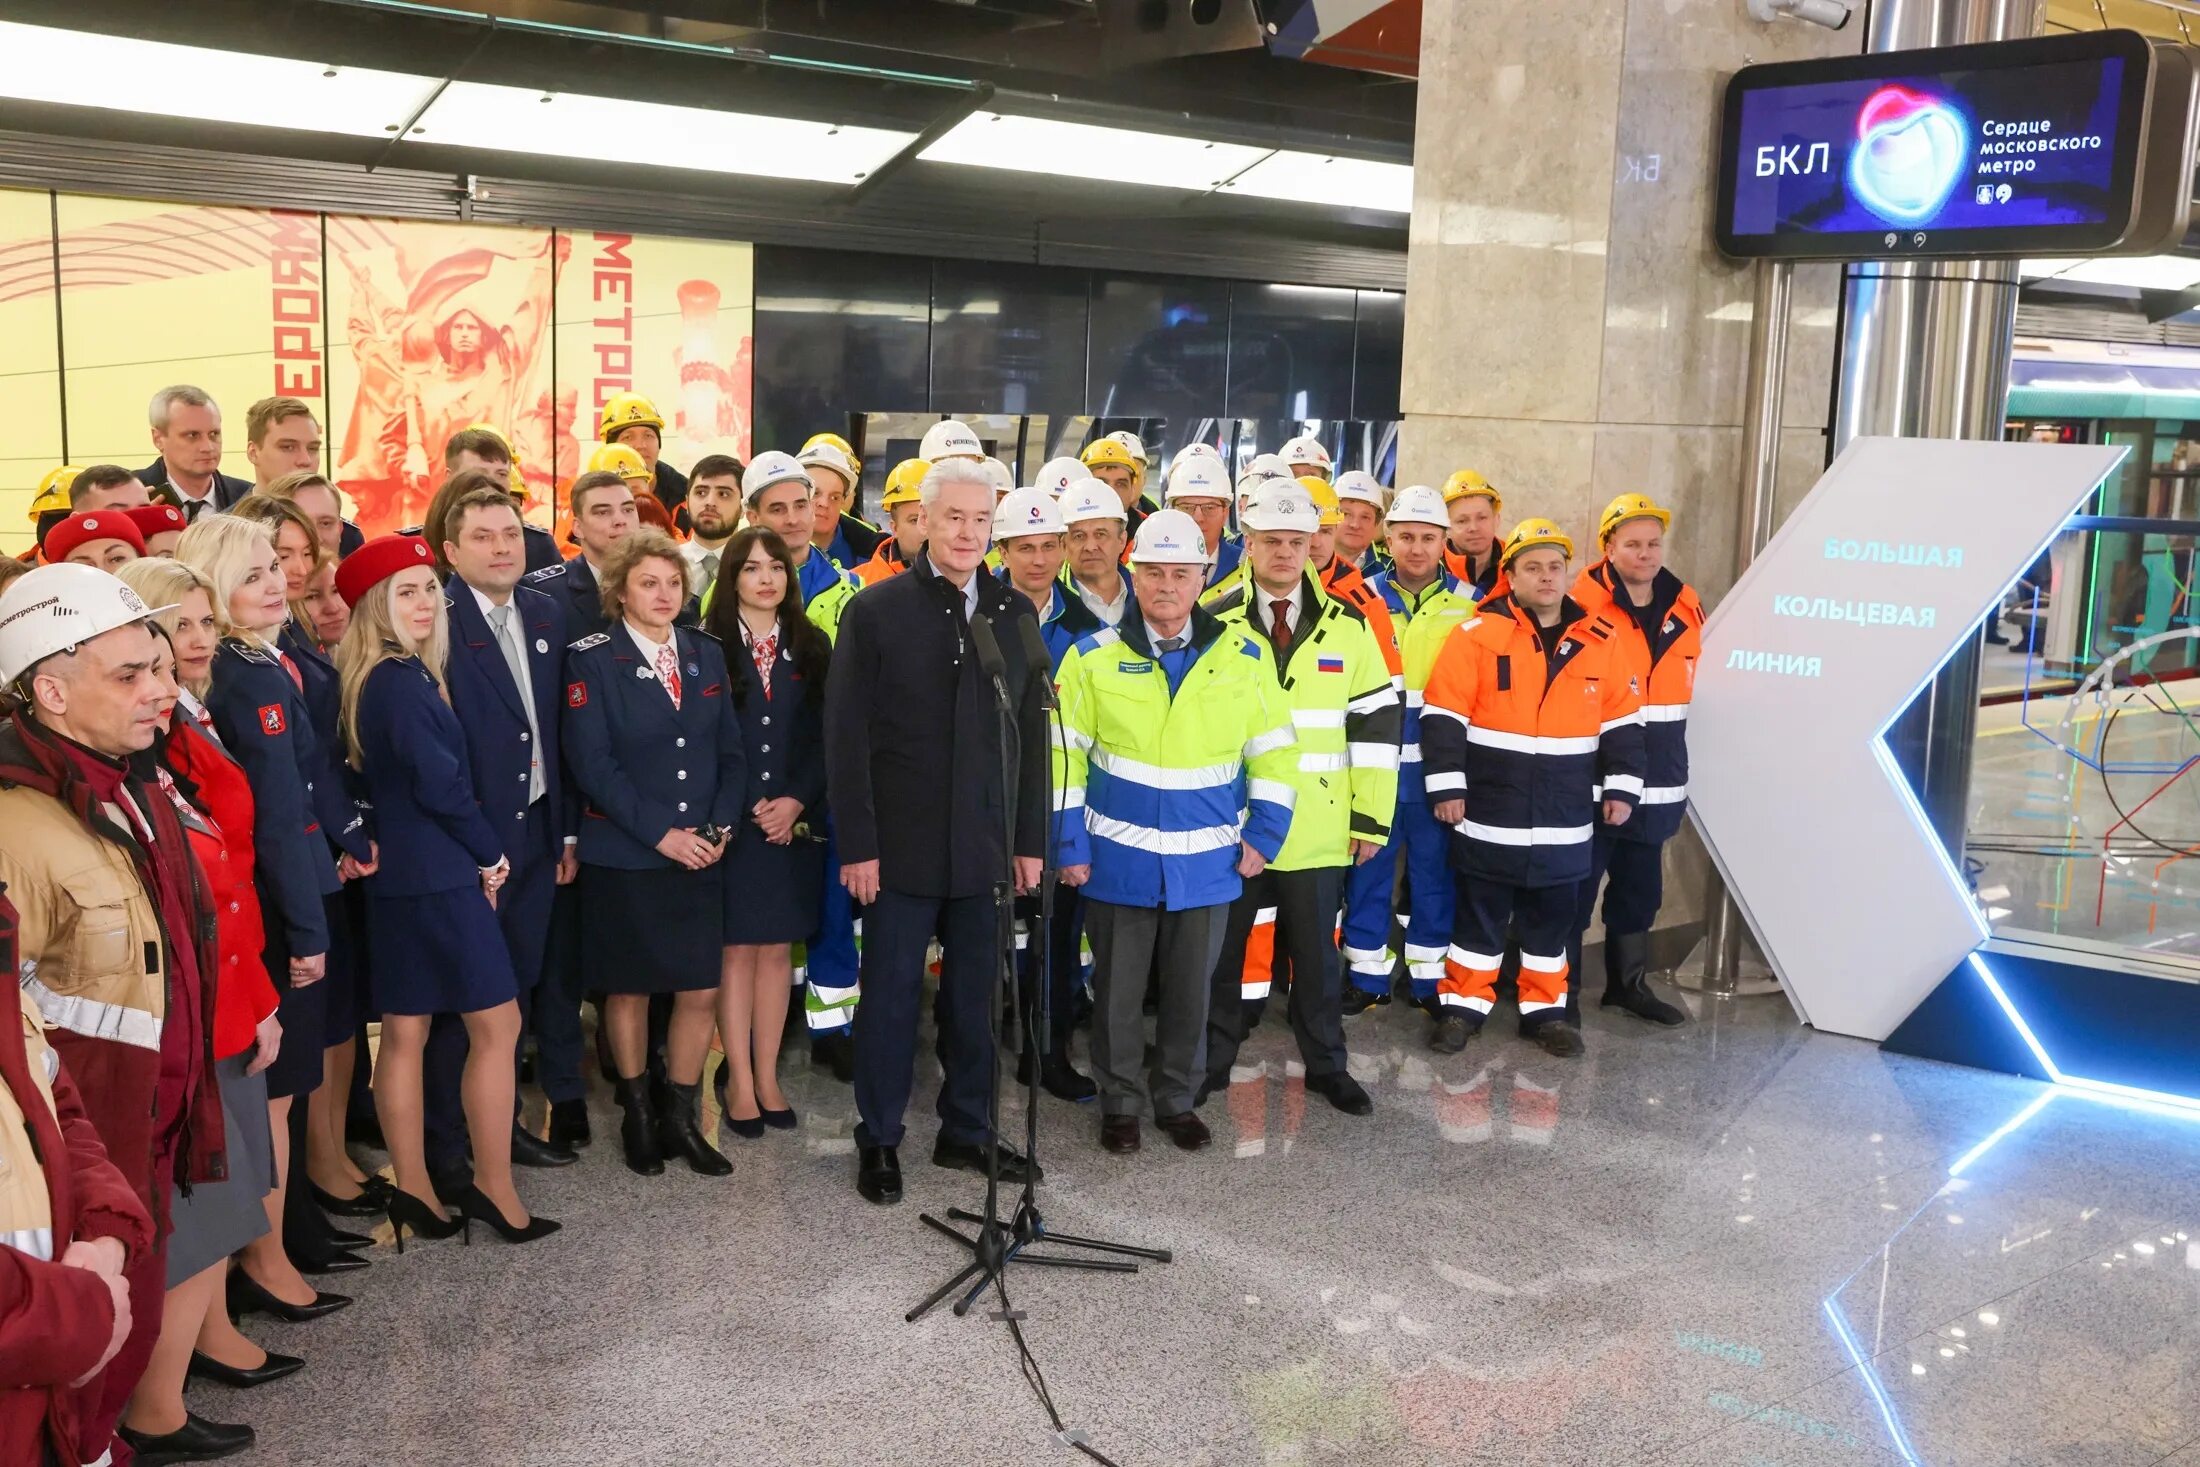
(1909, 156)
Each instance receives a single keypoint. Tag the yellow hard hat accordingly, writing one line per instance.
(628, 410)
(1535, 534)
(1108, 451)
(1467, 482)
(901, 484)
(834, 439)
(1324, 495)
(618, 459)
(1631, 507)
(53, 491)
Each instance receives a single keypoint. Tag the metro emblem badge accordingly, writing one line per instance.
(576, 695)
(1910, 154)
(271, 719)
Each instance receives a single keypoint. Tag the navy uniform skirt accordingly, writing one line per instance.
(304, 1014)
(441, 953)
(656, 931)
(772, 892)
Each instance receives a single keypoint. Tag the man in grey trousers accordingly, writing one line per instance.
(1165, 804)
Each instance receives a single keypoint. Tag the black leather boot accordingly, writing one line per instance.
(678, 1135)
(638, 1130)
(1627, 981)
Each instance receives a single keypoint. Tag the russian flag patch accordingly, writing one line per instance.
(1329, 664)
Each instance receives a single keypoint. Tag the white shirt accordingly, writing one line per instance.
(1109, 612)
(1154, 639)
(195, 504)
(648, 648)
(198, 715)
(693, 552)
(481, 599)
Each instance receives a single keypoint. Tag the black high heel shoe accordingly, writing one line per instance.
(246, 1296)
(473, 1203)
(751, 1128)
(408, 1211)
(366, 1204)
(239, 1377)
(778, 1120)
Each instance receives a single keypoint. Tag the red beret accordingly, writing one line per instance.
(157, 519)
(83, 529)
(376, 561)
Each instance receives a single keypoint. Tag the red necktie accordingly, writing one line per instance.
(668, 672)
(1279, 632)
(292, 668)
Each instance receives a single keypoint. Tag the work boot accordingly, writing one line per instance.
(638, 1130)
(1556, 1037)
(835, 1051)
(1627, 981)
(1451, 1033)
(1358, 1000)
(679, 1135)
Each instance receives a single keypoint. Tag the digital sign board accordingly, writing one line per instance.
(2015, 148)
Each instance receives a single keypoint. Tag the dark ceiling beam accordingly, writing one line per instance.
(948, 120)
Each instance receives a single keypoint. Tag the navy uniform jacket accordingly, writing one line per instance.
(495, 721)
(261, 717)
(783, 737)
(644, 767)
(334, 805)
(412, 757)
(912, 746)
(573, 585)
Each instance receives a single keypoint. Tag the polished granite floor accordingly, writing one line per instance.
(1740, 1244)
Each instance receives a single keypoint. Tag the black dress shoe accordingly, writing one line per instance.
(878, 1174)
(242, 1378)
(528, 1149)
(197, 1440)
(322, 1264)
(967, 1156)
(1119, 1134)
(1186, 1129)
(1343, 1092)
(569, 1124)
(247, 1297)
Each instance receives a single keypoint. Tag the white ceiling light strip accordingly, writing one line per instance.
(1317, 178)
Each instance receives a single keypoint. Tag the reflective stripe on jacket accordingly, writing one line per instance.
(1526, 741)
(1665, 665)
(1347, 715)
(1155, 791)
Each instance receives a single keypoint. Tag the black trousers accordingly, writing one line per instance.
(1306, 903)
(896, 929)
(1632, 895)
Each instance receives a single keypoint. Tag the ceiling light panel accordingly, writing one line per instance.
(610, 130)
(1082, 150)
(1339, 183)
(203, 84)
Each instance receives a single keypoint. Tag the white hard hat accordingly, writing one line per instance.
(1003, 477)
(1417, 504)
(1057, 474)
(1304, 450)
(827, 455)
(1192, 451)
(1361, 485)
(56, 608)
(1027, 512)
(1281, 504)
(1169, 537)
(768, 468)
(1131, 441)
(1265, 466)
(950, 439)
(1092, 500)
(1198, 477)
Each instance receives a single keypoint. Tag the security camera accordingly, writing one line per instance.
(1832, 14)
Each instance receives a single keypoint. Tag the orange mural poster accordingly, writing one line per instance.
(397, 332)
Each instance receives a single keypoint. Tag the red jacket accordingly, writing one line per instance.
(54, 1320)
(244, 995)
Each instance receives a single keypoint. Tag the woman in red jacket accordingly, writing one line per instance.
(214, 1219)
(72, 1222)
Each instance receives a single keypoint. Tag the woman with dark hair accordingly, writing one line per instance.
(653, 741)
(775, 868)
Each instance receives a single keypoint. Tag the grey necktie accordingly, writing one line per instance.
(1171, 644)
(515, 658)
(710, 571)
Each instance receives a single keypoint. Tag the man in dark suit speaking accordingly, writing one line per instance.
(918, 789)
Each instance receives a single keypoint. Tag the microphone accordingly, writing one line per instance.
(990, 659)
(1036, 658)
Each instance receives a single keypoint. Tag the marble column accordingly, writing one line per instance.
(1570, 330)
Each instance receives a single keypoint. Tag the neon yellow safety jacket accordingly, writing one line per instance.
(1337, 683)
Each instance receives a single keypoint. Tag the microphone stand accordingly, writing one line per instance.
(998, 1244)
